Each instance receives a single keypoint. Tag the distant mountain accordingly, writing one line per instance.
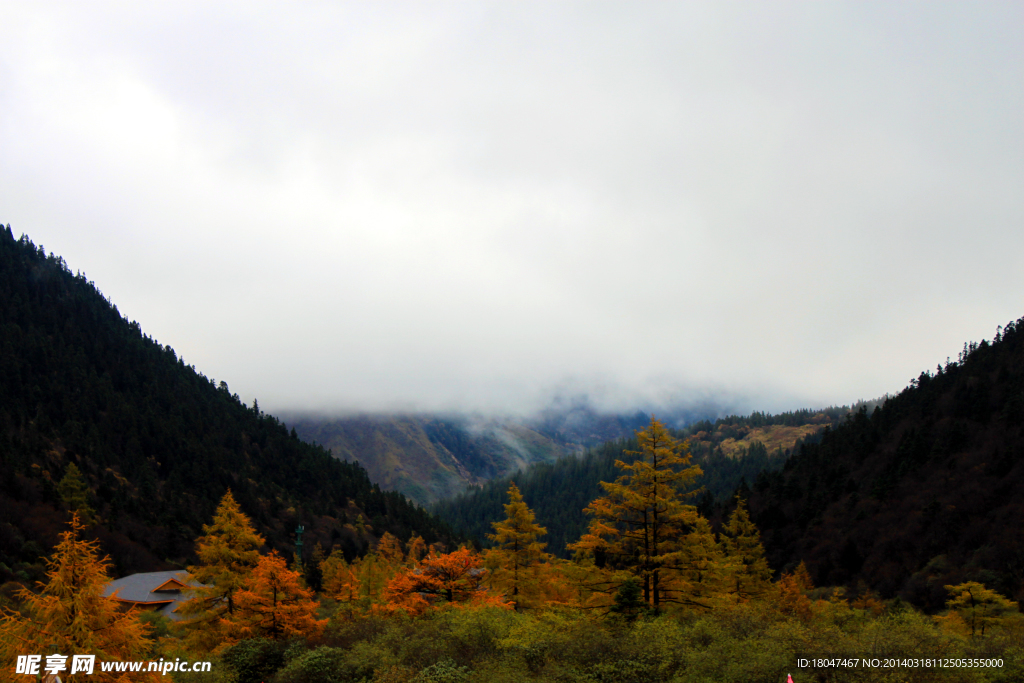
(157, 442)
(924, 491)
(429, 457)
(730, 451)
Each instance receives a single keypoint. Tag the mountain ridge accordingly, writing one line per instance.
(157, 443)
(926, 490)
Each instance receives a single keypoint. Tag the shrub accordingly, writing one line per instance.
(254, 661)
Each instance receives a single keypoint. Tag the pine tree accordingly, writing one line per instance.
(749, 573)
(516, 546)
(75, 494)
(641, 521)
(628, 599)
(314, 569)
(227, 555)
(69, 615)
(273, 604)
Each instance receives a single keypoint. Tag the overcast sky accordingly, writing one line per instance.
(479, 205)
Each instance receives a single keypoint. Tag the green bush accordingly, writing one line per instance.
(444, 671)
(322, 665)
(254, 661)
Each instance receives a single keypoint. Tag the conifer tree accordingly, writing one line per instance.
(228, 552)
(273, 604)
(699, 568)
(75, 494)
(69, 615)
(340, 581)
(417, 548)
(390, 551)
(641, 521)
(516, 546)
(628, 600)
(373, 573)
(749, 573)
(313, 569)
(793, 587)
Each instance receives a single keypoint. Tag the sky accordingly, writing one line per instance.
(481, 206)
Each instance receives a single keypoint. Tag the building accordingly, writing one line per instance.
(162, 592)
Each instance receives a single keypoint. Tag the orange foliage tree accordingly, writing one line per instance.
(69, 615)
(451, 578)
(793, 587)
(273, 604)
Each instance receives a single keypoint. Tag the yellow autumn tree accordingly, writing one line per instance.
(516, 549)
(697, 569)
(70, 616)
(340, 581)
(372, 573)
(749, 575)
(978, 607)
(228, 553)
(641, 522)
(273, 604)
(417, 549)
(389, 549)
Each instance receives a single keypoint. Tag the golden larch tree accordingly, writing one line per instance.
(389, 549)
(417, 548)
(340, 581)
(748, 570)
(228, 552)
(698, 577)
(642, 520)
(273, 604)
(70, 616)
(516, 549)
(793, 588)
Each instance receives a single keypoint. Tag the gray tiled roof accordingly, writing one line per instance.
(139, 588)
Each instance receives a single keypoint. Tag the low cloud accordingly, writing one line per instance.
(411, 207)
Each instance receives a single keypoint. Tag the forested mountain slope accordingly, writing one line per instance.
(157, 442)
(926, 490)
(730, 450)
(430, 457)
